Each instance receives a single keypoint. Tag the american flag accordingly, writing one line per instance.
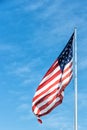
(50, 91)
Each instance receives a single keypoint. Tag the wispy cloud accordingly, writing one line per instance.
(14, 92)
(27, 81)
(22, 70)
(82, 98)
(58, 122)
(82, 64)
(4, 47)
(24, 97)
(26, 5)
(26, 71)
(34, 6)
(23, 107)
(25, 111)
(26, 117)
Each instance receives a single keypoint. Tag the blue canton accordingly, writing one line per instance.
(67, 54)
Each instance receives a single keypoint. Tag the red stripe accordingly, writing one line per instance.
(64, 86)
(55, 83)
(56, 104)
(70, 66)
(49, 80)
(49, 102)
(44, 98)
(67, 75)
(54, 65)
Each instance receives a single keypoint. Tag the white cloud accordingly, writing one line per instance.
(33, 7)
(27, 81)
(13, 92)
(19, 70)
(22, 70)
(82, 99)
(4, 47)
(25, 111)
(24, 98)
(26, 117)
(83, 64)
(23, 107)
(61, 122)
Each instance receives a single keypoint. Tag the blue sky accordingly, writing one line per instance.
(32, 35)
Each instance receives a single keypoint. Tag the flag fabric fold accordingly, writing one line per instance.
(50, 91)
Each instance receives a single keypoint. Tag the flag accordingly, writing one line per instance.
(50, 91)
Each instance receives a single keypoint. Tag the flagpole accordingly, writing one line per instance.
(75, 82)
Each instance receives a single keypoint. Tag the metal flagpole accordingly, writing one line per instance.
(75, 81)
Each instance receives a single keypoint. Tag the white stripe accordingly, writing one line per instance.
(50, 90)
(47, 85)
(62, 93)
(50, 106)
(55, 62)
(67, 65)
(35, 110)
(65, 81)
(67, 72)
(48, 99)
(50, 75)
